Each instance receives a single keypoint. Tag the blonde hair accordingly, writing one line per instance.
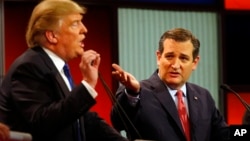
(46, 16)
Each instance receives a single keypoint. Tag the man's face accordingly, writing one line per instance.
(70, 36)
(176, 63)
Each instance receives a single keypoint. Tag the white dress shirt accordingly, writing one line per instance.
(59, 63)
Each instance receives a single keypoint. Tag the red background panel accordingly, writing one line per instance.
(237, 4)
(234, 108)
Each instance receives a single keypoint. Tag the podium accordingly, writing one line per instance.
(20, 136)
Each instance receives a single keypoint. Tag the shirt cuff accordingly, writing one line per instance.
(92, 91)
(133, 100)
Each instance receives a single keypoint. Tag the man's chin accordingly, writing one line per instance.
(79, 53)
(174, 84)
(174, 81)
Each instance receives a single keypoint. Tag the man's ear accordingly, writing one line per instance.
(51, 37)
(158, 57)
(195, 62)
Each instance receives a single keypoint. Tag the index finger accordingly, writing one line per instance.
(117, 67)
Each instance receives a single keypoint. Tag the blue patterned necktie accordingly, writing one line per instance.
(68, 75)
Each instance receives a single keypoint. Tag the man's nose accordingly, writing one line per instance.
(84, 29)
(176, 64)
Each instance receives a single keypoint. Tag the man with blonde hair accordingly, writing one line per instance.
(38, 95)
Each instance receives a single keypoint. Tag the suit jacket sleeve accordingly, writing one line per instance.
(40, 99)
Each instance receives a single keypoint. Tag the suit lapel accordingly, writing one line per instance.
(61, 83)
(193, 106)
(163, 96)
(53, 71)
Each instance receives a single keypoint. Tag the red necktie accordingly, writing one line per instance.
(183, 115)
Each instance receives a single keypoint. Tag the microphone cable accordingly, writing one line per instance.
(226, 87)
(114, 100)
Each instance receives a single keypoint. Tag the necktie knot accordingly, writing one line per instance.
(66, 68)
(179, 94)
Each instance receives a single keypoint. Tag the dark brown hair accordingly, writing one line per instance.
(180, 35)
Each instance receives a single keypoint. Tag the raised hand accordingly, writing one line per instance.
(89, 66)
(127, 79)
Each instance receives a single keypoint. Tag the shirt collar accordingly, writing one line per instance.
(183, 89)
(173, 92)
(58, 62)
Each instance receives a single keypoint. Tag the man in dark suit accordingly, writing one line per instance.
(152, 105)
(36, 94)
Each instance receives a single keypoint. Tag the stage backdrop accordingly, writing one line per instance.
(103, 37)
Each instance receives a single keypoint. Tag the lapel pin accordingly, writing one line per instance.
(196, 98)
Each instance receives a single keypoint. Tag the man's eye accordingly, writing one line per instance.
(74, 24)
(169, 57)
(184, 58)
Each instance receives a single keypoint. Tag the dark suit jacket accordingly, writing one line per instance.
(35, 99)
(155, 116)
